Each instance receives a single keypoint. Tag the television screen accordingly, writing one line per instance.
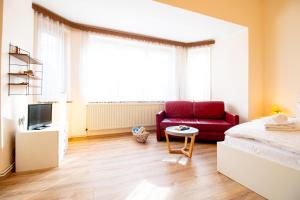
(39, 116)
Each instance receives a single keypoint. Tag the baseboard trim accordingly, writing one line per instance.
(5, 173)
(109, 133)
(113, 135)
(115, 131)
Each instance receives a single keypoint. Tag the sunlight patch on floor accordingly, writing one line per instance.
(148, 191)
(177, 159)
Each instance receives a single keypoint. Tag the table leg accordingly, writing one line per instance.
(185, 142)
(191, 146)
(168, 142)
(186, 150)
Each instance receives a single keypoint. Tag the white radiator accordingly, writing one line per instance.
(101, 116)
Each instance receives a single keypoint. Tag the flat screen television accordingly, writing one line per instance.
(39, 116)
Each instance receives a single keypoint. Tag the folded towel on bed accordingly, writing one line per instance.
(279, 122)
(281, 128)
(278, 119)
(286, 125)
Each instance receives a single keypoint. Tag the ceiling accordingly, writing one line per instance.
(143, 17)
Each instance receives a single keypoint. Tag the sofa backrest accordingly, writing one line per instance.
(209, 110)
(179, 109)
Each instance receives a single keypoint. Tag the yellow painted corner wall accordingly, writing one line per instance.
(274, 41)
(1, 25)
(282, 54)
(248, 13)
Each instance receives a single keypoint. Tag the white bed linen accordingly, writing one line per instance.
(266, 151)
(285, 140)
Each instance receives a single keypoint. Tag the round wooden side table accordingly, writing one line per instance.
(191, 133)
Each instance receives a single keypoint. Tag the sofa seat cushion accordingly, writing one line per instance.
(201, 124)
(213, 125)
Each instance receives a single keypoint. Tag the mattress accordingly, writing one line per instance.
(285, 140)
(266, 151)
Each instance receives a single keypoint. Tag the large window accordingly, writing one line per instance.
(125, 70)
(111, 69)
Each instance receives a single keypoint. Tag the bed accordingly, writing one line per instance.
(267, 162)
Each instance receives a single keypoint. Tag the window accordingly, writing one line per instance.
(125, 70)
(51, 48)
(111, 69)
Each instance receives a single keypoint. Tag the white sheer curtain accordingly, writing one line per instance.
(50, 48)
(126, 70)
(112, 69)
(196, 81)
(180, 67)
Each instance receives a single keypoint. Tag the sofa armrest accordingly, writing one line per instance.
(231, 118)
(159, 117)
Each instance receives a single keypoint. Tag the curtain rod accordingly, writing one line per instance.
(123, 34)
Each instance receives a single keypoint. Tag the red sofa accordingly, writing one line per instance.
(208, 117)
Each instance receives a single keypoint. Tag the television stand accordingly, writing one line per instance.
(40, 149)
(42, 127)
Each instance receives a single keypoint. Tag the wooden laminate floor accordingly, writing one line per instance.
(120, 168)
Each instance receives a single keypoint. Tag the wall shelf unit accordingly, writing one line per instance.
(26, 58)
(25, 76)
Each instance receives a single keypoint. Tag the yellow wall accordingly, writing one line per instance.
(274, 47)
(282, 54)
(247, 13)
(1, 25)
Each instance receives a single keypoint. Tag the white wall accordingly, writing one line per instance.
(230, 72)
(77, 110)
(18, 30)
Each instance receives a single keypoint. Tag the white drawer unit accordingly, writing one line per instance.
(40, 149)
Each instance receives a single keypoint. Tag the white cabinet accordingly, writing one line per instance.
(40, 149)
